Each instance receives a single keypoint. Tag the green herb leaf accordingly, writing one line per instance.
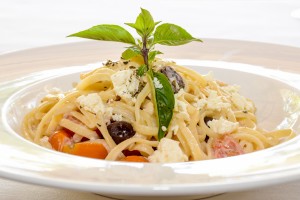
(152, 55)
(165, 102)
(106, 32)
(172, 35)
(130, 52)
(142, 70)
(144, 24)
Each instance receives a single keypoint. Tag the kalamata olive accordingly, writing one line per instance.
(175, 79)
(120, 131)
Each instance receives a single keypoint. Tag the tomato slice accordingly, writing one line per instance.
(226, 146)
(135, 159)
(86, 149)
(59, 139)
(62, 141)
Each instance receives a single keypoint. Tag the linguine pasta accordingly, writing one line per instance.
(210, 118)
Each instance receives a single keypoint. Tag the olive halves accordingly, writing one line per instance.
(120, 131)
(174, 78)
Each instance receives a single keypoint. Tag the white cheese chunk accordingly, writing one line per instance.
(238, 100)
(163, 128)
(168, 151)
(212, 102)
(200, 103)
(241, 102)
(125, 83)
(222, 126)
(91, 102)
(181, 108)
(157, 84)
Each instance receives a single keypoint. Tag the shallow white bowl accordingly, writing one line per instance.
(275, 92)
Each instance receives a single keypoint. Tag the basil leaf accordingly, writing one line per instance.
(152, 55)
(106, 32)
(130, 53)
(142, 70)
(172, 35)
(165, 102)
(144, 24)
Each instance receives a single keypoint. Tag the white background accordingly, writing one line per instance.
(32, 23)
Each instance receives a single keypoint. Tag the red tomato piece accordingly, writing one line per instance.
(226, 146)
(59, 139)
(135, 159)
(86, 149)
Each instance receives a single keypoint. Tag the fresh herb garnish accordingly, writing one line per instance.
(165, 102)
(151, 34)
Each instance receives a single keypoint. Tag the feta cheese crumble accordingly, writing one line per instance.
(181, 107)
(91, 102)
(222, 126)
(238, 100)
(168, 151)
(212, 102)
(125, 83)
(200, 103)
(241, 102)
(157, 84)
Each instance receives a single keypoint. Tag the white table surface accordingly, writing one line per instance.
(33, 23)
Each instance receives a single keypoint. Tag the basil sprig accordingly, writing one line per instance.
(151, 33)
(165, 102)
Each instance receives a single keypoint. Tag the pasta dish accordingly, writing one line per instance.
(110, 114)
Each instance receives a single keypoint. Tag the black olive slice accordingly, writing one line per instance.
(120, 131)
(174, 78)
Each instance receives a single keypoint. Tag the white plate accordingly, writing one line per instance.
(272, 90)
